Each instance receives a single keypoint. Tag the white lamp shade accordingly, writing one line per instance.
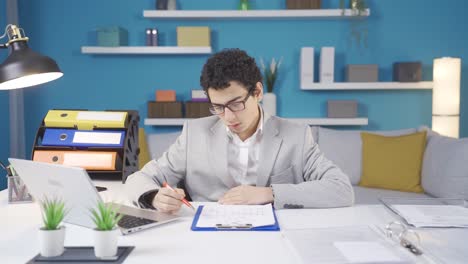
(30, 80)
(446, 90)
(446, 125)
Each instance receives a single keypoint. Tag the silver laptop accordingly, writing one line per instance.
(73, 185)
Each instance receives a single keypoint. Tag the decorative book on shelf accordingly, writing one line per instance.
(105, 143)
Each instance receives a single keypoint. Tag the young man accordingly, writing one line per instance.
(241, 155)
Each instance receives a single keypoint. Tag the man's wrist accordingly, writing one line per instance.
(270, 198)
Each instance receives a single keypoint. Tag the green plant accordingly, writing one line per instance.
(358, 25)
(53, 212)
(105, 217)
(244, 5)
(270, 73)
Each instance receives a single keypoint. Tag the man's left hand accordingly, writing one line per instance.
(246, 194)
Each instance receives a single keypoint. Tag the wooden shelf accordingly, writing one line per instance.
(146, 50)
(251, 14)
(361, 121)
(367, 86)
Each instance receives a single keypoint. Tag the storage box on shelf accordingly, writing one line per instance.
(107, 146)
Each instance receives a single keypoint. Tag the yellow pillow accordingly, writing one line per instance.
(393, 162)
(144, 156)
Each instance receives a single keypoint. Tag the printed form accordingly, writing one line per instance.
(236, 215)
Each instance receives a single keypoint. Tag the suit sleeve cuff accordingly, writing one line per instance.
(145, 200)
(281, 198)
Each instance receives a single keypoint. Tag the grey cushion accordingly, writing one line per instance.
(344, 148)
(445, 167)
(363, 195)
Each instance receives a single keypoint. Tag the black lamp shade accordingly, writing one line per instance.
(24, 68)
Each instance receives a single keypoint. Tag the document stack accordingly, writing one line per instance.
(105, 143)
(430, 212)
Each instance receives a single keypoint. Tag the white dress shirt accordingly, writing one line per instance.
(243, 155)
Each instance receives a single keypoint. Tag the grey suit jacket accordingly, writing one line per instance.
(290, 161)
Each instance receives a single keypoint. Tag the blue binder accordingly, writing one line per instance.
(274, 227)
(96, 138)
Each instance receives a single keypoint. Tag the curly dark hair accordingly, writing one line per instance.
(230, 65)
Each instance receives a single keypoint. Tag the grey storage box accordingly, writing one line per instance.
(342, 108)
(164, 109)
(362, 73)
(407, 71)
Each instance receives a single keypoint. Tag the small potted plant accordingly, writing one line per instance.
(106, 232)
(244, 5)
(270, 74)
(52, 234)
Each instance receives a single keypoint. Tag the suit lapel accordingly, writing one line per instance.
(218, 153)
(269, 148)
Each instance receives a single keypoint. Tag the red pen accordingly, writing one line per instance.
(165, 185)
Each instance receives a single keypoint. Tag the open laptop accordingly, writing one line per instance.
(73, 185)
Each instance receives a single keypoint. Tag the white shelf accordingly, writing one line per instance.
(361, 121)
(367, 86)
(146, 50)
(240, 14)
(166, 121)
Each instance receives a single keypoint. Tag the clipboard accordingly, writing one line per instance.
(274, 227)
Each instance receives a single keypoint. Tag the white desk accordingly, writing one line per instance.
(175, 242)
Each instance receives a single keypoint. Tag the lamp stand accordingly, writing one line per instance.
(16, 100)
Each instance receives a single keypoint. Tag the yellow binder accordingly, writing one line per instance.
(90, 160)
(85, 120)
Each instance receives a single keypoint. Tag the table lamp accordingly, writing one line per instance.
(446, 96)
(24, 67)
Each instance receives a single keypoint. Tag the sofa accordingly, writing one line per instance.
(444, 168)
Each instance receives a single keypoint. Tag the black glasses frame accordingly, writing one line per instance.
(230, 105)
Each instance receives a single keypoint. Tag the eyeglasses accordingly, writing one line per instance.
(407, 238)
(236, 106)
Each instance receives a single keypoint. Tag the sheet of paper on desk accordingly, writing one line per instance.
(366, 252)
(236, 215)
(433, 215)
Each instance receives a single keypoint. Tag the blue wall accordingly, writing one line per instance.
(4, 131)
(399, 30)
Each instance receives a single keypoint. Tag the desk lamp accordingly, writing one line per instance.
(24, 67)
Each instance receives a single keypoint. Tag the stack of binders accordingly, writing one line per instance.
(105, 143)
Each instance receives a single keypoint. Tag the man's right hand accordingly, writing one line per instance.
(168, 201)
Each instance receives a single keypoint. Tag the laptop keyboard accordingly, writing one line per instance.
(129, 221)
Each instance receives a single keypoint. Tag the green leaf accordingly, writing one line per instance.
(53, 212)
(105, 217)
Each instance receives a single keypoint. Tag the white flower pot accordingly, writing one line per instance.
(269, 103)
(51, 242)
(105, 243)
